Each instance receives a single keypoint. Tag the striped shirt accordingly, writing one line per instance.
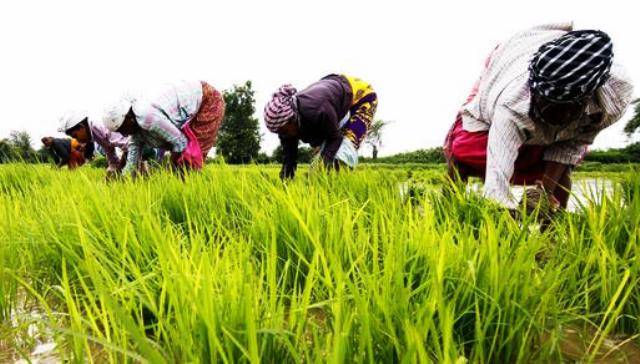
(161, 118)
(109, 141)
(501, 101)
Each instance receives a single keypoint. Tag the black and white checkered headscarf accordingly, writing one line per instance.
(571, 67)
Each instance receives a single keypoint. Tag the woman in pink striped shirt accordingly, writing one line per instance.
(183, 119)
(76, 124)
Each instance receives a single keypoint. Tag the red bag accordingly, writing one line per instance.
(191, 156)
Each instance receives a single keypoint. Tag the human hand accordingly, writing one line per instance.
(538, 198)
(112, 174)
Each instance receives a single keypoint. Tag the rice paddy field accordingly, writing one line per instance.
(389, 265)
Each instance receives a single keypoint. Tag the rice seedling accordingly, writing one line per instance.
(232, 265)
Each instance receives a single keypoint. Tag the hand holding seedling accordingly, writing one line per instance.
(538, 199)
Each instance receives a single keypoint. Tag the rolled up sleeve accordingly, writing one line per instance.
(570, 153)
(133, 156)
(109, 141)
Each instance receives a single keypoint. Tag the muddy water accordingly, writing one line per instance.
(576, 344)
(31, 335)
(584, 192)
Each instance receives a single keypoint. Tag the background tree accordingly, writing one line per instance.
(431, 155)
(21, 142)
(634, 123)
(239, 135)
(628, 154)
(262, 158)
(374, 136)
(7, 153)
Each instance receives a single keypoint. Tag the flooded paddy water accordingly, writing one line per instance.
(584, 191)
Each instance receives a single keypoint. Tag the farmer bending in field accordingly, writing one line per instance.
(67, 152)
(184, 119)
(541, 99)
(333, 114)
(76, 124)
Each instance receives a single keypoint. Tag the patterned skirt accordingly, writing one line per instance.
(206, 123)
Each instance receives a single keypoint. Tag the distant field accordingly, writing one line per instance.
(232, 265)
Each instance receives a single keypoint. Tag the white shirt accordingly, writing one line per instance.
(502, 105)
(161, 118)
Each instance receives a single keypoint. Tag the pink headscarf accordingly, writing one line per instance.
(280, 109)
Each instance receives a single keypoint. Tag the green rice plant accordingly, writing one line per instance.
(233, 265)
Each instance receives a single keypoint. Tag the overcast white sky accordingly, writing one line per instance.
(422, 57)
